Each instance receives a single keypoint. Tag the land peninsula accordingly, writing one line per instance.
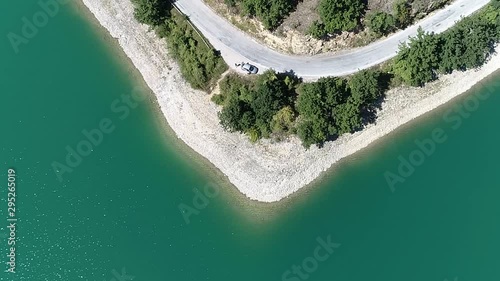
(262, 164)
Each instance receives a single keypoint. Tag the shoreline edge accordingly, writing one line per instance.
(266, 171)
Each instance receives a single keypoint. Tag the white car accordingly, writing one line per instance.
(250, 69)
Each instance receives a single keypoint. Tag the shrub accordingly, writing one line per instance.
(381, 23)
(402, 13)
(151, 12)
(317, 30)
(341, 15)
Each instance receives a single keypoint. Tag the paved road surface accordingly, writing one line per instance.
(236, 46)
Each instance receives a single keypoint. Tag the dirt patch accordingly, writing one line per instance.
(381, 5)
(302, 18)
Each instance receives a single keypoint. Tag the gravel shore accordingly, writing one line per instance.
(265, 171)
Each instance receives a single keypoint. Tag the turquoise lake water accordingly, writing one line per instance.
(116, 213)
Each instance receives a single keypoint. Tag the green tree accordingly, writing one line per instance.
(317, 30)
(380, 23)
(231, 114)
(468, 44)
(417, 61)
(312, 131)
(283, 121)
(151, 12)
(365, 87)
(341, 15)
(347, 117)
(402, 13)
(316, 104)
(271, 94)
(270, 12)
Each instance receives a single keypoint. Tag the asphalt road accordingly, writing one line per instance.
(236, 46)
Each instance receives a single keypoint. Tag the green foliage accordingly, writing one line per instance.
(278, 105)
(347, 117)
(418, 60)
(366, 87)
(283, 121)
(230, 3)
(333, 106)
(381, 23)
(315, 104)
(341, 15)
(151, 12)
(231, 114)
(402, 13)
(259, 108)
(495, 4)
(467, 45)
(218, 99)
(200, 64)
(270, 12)
(317, 30)
(271, 95)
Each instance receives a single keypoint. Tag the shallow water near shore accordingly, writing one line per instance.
(116, 214)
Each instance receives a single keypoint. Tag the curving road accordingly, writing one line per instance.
(236, 46)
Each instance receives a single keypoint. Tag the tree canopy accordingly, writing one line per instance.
(418, 60)
(152, 12)
(380, 23)
(467, 45)
(270, 12)
(277, 105)
(337, 16)
(200, 64)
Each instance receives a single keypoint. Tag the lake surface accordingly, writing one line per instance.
(115, 213)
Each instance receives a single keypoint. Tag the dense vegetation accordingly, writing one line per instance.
(275, 105)
(200, 64)
(333, 106)
(349, 15)
(278, 104)
(465, 46)
(381, 23)
(152, 12)
(337, 16)
(402, 13)
(270, 12)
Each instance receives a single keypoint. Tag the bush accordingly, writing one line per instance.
(230, 3)
(467, 45)
(341, 15)
(418, 60)
(402, 13)
(317, 30)
(381, 23)
(218, 99)
(270, 12)
(151, 12)
(366, 87)
(258, 108)
(200, 64)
